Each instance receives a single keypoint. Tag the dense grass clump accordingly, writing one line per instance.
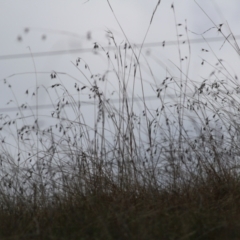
(208, 210)
(124, 169)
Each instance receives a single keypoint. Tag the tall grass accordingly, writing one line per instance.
(133, 172)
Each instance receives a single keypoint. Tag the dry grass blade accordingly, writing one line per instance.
(155, 11)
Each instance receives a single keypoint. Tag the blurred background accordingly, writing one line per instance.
(40, 38)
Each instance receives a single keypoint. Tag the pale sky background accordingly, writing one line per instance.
(64, 25)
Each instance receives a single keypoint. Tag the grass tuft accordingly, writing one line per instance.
(123, 169)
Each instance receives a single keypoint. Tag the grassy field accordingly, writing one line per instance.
(136, 172)
(208, 210)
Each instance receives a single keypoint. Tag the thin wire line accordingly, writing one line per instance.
(86, 50)
(61, 52)
(82, 103)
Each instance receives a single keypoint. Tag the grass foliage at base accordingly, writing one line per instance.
(209, 210)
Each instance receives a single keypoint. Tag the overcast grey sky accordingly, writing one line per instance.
(63, 25)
